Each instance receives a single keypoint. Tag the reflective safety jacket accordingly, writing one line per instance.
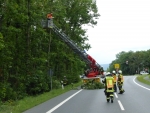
(110, 84)
(120, 78)
(115, 78)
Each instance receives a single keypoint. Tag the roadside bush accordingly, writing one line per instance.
(6, 92)
(90, 85)
(56, 84)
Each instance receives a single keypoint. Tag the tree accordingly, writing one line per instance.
(24, 44)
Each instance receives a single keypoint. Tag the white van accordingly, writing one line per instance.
(143, 73)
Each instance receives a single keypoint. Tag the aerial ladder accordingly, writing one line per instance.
(94, 72)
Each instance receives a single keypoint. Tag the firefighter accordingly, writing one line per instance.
(120, 82)
(65, 81)
(50, 20)
(109, 87)
(49, 16)
(115, 79)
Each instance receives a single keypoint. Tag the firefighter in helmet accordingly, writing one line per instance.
(65, 81)
(49, 16)
(115, 79)
(109, 87)
(50, 20)
(120, 82)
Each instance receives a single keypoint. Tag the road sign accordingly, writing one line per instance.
(117, 66)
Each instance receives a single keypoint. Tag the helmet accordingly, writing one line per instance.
(114, 72)
(120, 72)
(108, 74)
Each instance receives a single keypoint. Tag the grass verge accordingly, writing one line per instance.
(29, 102)
(142, 79)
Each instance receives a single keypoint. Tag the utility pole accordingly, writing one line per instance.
(49, 68)
(1, 16)
(46, 24)
(28, 37)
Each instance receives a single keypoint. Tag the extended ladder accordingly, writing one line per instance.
(66, 39)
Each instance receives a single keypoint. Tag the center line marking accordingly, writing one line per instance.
(116, 95)
(57, 106)
(121, 106)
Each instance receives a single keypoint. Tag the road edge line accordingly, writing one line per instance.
(139, 84)
(57, 106)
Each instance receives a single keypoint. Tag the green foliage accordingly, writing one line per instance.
(143, 80)
(92, 85)
(7, 92)
(37, 83)
(56, 84)
(73, 79)
(137, 61)
(1, 41)
(28, 51)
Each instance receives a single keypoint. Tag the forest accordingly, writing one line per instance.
(132, 62)
(28, 53)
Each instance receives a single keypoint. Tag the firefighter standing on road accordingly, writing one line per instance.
(109, 87)
(120, 82)
(115, 79)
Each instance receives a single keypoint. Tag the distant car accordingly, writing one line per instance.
(143, 73)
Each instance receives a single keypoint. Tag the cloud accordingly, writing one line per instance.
(124, 25)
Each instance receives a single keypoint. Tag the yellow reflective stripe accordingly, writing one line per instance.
(112, 95)
(110, 90)
(115, 78)
(121, 78)
(109, 84)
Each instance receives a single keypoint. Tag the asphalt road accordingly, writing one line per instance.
(136, 99)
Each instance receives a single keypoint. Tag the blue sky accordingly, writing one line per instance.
(124, 25)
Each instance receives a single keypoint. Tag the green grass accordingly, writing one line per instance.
(141, 79)
(29, 102)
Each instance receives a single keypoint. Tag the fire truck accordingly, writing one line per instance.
(95, 71)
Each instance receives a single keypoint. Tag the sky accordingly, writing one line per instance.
(124, 25)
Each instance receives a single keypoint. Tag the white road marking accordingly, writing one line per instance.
(116, 95)
(57, 106)
(140, 85)
(121, 106)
